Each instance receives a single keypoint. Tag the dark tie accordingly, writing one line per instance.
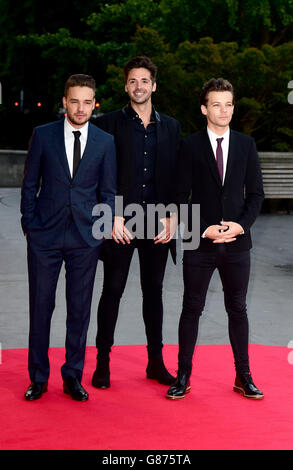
(219, 157)
(76, 151)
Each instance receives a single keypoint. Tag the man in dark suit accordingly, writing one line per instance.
(221, 169)
(70, 167)
(147, 144)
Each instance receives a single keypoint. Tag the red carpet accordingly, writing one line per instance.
(134, 413)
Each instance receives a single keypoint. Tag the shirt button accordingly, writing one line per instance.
(143, 185)
(145, 136)
(145, 153)
(145, 169)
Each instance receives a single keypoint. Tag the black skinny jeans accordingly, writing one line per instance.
(234, 269)
(117, 259)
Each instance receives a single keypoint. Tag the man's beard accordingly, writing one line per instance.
(72, 119)
(140, 102)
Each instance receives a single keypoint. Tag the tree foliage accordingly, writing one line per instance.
(191, 41)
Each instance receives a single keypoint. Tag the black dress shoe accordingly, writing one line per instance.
(180, 387)
(244, 385)
(156, 370)
(101, 376)
(35, 390)
(74, 388)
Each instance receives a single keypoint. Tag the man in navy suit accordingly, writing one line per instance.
(220, 168)
(70, 167)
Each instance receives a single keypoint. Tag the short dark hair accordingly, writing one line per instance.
(141, 62)
(79, 79)
(215, 84)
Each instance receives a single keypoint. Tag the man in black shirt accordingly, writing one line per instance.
(147, 144)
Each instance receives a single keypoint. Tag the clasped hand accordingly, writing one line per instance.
(226, 232)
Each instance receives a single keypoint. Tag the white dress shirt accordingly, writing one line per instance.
(225, 149)
(69, 141)
(225, 146)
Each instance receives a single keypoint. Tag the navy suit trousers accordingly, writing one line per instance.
(44, 265)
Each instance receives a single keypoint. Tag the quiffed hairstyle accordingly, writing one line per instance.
(215, 84)
(140, 62)
(80, 80)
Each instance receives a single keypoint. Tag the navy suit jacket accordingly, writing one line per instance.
(49, 194)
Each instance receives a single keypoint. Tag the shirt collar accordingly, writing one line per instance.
(213, 137)
(130, 113)
(69, 129)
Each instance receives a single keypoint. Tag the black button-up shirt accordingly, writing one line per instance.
(145, 146)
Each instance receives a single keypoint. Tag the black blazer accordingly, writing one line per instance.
(118, 124)
(168, 143)
(238, 200)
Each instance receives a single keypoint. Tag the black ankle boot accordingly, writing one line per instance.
(244, 385)
(101, 376)
(180, 387)
(156, 370)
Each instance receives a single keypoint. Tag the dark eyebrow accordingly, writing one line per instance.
(88, 100)
(218, 102)
(143, 78)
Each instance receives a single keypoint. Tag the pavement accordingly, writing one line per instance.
(269, 300)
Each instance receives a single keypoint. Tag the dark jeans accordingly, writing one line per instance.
(117, 259)
(198, 268)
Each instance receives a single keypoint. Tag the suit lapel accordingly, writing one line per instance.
(210, 158)
(89, 151)
(127, 168)
(162, 160)
(60, 147)
(231, 156)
